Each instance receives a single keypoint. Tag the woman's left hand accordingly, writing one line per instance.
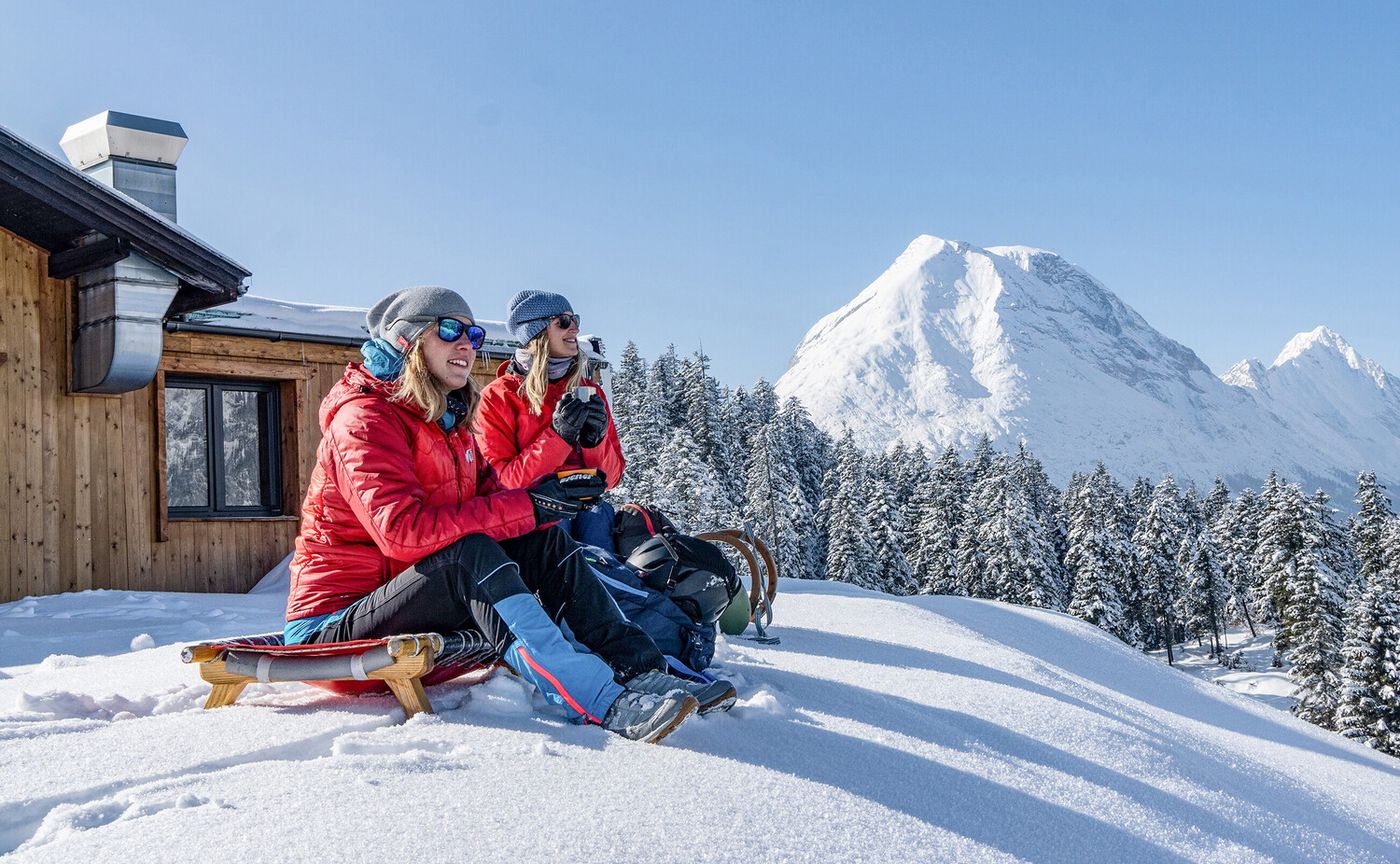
(595, 424)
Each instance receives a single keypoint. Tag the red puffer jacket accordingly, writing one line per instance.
(388, 489)
(523, 447)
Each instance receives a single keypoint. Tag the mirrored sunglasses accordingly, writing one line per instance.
(450, 330)
(565, 321)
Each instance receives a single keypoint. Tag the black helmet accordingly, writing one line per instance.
(656, 561)
(702, 595)
(703, 581)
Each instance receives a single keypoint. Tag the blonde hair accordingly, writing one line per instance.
(536, 382)
(418, 387)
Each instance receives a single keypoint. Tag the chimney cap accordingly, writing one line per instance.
(126, 136)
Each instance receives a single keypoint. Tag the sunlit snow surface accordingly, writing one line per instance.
(880, 729)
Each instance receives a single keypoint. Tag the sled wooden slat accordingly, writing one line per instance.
(412, 657)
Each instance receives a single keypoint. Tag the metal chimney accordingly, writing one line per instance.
(134, 155)
(121, 308)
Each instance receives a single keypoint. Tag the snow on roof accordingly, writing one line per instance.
(257, 314)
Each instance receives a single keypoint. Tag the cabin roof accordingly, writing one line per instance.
(53, 205)
(254, 315)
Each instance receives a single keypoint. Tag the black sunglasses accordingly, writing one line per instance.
(565, 321)
(450, 330)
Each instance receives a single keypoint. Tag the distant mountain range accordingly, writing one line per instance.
(953, 341)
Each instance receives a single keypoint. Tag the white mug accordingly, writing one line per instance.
(583, 393)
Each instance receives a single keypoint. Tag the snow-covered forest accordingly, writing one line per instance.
(1152, 563)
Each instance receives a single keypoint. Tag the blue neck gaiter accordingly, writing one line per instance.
(382, 360)
(385, 362)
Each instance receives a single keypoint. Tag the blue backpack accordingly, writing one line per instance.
(674, 632)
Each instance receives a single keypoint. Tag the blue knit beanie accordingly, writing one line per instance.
(528, 313)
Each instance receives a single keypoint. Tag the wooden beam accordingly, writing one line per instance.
(89, 257)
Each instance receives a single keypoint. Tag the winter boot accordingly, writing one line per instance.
(717, 695)
(648, 717)
(712, 696)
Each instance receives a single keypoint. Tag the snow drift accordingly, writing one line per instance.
(880, 729)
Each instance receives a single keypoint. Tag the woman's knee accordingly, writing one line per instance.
(468, 552)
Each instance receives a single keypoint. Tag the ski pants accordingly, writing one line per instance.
(480, 584)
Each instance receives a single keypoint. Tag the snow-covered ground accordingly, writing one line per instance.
(880, 729)
(1254, 674)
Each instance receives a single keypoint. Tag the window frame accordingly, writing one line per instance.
(270, 444)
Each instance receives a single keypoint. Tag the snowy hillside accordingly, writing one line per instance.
(880, 729)
(954, 341)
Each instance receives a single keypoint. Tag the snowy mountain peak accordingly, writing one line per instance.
(1246, 373)
(1322, 342)
(953, 341)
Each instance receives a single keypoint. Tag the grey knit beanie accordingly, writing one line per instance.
(528, 313)
(402, 316)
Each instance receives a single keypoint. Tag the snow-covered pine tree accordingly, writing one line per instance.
(629, 387)
(1368, 528)
(849, 556)
(730, 454)
(1336, 549)
(1099, 557)
(1236, 532)
(981, 491)
(1204, 589)
(1192, 509)
(776, 508)
(700, 395)
(686, 488)
(811, 448)
(935, 556)
(1018, 555)
(1280, 540)
(663, 385)
(809, 452)
(763, 407)
(883, 515)
(1369, 709)
(1216, 501)
(1312, 621)
(643, 434)
(1138, 499)
(1158, 537)
(1048, 580)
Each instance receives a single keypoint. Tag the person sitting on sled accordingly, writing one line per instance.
(405, 529)
(540, 415)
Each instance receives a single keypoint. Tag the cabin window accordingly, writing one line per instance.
(221, 448)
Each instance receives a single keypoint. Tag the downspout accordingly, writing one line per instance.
(120, 309)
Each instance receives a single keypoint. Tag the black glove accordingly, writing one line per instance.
(563, 497)
(595, 424)
(569, 415)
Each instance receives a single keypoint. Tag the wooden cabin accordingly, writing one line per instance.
(159, 427)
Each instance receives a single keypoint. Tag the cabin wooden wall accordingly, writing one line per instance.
(83, 499)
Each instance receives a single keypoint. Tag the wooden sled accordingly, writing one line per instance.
(763, 574)
(400, 665)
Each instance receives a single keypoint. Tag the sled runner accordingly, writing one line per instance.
(763, 579)
(397, 664)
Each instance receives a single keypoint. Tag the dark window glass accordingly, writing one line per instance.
(221, 448)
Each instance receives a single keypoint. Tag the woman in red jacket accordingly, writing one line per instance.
(406, 530)
(533, 421)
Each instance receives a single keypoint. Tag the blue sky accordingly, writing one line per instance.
(730, 172)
